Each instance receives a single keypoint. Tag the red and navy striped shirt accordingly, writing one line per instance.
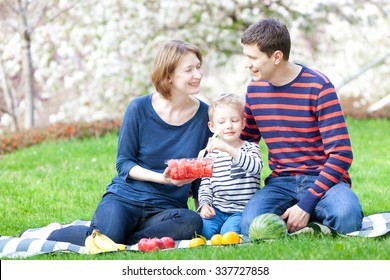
(303, 126)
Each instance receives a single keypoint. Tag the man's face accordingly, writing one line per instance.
(260, 65)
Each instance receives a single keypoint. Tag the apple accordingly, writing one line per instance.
(142, 244)
(169, 242)
(156, 243)
(150, 244)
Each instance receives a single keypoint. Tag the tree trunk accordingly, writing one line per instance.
(9, 96)
(28, 79)
(27, 67)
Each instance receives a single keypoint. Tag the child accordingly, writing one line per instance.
(237, 166)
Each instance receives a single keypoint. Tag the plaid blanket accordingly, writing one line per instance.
(374, 225)
(17, 247)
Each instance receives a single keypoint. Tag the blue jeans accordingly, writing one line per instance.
(338, 209)
(126, 222)
(221, 223)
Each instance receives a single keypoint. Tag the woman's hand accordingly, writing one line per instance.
(168, 180)
(142, 174)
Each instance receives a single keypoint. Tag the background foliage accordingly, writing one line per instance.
(91, 57)
(10, 142)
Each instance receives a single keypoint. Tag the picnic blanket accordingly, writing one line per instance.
(374, 225)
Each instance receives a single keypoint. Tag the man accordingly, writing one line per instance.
(296, 111)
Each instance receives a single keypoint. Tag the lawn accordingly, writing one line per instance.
(63, 181)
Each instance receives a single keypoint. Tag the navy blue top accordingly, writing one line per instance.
(146, 140)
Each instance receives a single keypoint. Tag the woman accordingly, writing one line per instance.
(142, 200)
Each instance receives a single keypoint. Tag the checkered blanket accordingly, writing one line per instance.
(374, 225)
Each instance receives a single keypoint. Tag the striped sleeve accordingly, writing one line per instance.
(251, 130)
(337, 147)
(250, 159)
(205, 193)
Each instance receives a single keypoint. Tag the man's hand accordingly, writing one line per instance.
(296, 218)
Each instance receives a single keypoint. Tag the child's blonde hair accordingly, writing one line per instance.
(226, 99)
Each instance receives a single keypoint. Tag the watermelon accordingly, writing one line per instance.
(267, 226)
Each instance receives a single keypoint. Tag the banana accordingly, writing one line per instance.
(104, 243)
(90, 245)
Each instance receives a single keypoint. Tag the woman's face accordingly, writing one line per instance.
(187, 76)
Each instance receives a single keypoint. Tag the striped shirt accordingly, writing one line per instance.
(232, 183)
(303, 126)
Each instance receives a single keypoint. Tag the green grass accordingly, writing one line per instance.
(64, 181)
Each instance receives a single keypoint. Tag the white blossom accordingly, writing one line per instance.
(98, 55)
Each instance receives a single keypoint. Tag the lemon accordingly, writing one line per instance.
(197, 241)
(216, 239)
(230, 238)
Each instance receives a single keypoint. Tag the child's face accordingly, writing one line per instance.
(228, 122)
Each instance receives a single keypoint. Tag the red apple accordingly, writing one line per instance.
(157, 243)
(168, 242)
(142, 244)
(150, 244)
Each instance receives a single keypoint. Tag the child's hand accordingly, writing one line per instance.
(217, 144)
(207, 212)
